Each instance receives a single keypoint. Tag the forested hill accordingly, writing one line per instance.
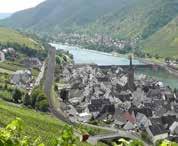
(126, 19)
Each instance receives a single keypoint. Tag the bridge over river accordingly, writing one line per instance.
(114, 67)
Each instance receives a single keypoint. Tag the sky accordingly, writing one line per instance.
(11, 6)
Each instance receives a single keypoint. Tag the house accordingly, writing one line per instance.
(21, 77)
(174, 128)
(129, 116)
(2, 56)
(168, 120)
(32, 62)
(99, 107)
(142, 121)
(9, 50)
(10, 53)
(157, 132)
(84, 117)
(129, 126)
(123, 96)
(175, 107)
(154, 93)
(144, 110)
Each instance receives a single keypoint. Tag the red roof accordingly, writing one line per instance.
(129, 117)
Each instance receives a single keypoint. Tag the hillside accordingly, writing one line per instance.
(11, 36)
(164, 42)
(121, 19)
(118, 17)
(35, 123)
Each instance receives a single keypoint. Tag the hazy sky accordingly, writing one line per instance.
(7, 6)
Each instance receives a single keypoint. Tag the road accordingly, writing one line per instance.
(116, 133)
(40, 75)
(119, 134)
(39, 78)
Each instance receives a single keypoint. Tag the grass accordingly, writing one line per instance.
(5, 71)
(12, 36)
(35, 123)
(11, 66)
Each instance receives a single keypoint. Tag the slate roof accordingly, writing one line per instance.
(156, 121)
(154, 93)
(99, 102)
(124, 97)
(98, 105)
(103, 79)
(109, 108)
(169, 120)
(144, 110)
(157, 129)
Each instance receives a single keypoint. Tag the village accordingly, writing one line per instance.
(117, 98)
(22, 77)
(97, 39)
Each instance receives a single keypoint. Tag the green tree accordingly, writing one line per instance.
(27, 100)
(17, 95)
(42, 105)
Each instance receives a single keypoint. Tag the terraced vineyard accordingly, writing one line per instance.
(12, 36)
(35, 123)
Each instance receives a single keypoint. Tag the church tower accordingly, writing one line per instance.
(130, 80)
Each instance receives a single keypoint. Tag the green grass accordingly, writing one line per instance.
(11, 66)
(5, 71)
(12, 36)
(35, 123)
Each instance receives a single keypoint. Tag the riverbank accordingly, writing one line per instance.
(160, 72)
(162, 65)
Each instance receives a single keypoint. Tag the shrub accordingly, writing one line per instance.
(17, 95)
(11, 135)
(5, 95)
(27, 100)
(42, 105)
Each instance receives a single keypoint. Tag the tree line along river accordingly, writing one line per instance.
(84, 56)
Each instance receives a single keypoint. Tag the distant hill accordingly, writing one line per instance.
(4, 15)
(164, 42)
(126, 19)
(12, 36)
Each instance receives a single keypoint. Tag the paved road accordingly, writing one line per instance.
(94, 139)
(40, 75)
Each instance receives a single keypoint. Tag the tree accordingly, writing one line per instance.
(42, 105)
(27, 100)
(17, 95)
(58, 60)
(39, 100)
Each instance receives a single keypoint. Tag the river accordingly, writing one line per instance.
(82, 56)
